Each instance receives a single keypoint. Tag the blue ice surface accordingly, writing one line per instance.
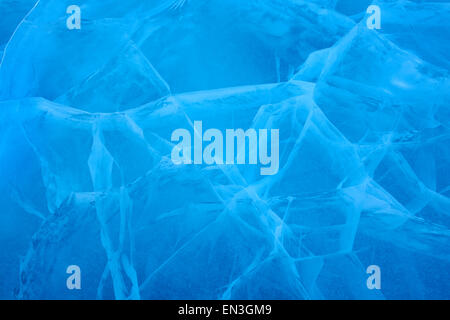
(86, 178)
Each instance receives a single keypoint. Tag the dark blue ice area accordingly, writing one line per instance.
(86, 179)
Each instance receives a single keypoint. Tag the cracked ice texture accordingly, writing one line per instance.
(85, 175)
